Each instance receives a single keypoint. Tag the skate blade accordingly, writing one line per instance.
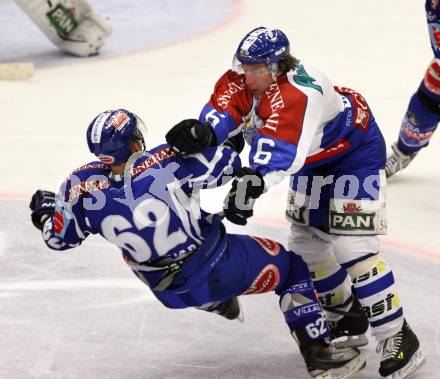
(240, 317)
(346, 371)
(415, 362)
(350, 341)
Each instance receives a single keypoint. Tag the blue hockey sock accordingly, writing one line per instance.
(420, 121)
(377, 293)
(302, 310)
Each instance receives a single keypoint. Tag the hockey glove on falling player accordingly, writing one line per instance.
(42, 206)
(246, 187)
(190, 136)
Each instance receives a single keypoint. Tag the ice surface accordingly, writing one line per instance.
(82, 314)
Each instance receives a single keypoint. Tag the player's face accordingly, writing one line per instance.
(136, 145)
(258, 78)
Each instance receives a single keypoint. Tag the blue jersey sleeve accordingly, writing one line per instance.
(68, 226)
(228, 104)
(211, 168)
(222, 123)
(62, 231)
(269, 154)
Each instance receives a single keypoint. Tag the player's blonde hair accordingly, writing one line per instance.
(288, 63)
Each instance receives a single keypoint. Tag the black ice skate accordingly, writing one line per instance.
(324, 361)
(397, 160)
(229, 309)
(350, 330)
(401, 354)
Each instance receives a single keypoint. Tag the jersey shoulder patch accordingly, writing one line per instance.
(91, 166)
(153, 159)
(303, 79)
(88, 178)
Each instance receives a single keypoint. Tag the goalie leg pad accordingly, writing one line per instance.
(37, 10)
(72, 25)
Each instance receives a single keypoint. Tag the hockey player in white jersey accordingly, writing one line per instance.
(327, 140)
(72, 25)
(423, 114)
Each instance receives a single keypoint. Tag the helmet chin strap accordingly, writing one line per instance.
(273, 68)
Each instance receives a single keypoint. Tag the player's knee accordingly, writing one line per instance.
(350, 249)
(371, 276)
(364, 266)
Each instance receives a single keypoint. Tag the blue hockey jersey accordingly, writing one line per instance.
(152, 212)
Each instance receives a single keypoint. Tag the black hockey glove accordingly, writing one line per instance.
(42, 206)
(246, 187)
(237, 142)
(190, 136)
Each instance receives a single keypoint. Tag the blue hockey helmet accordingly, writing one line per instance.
(262, 45)
(110, 133)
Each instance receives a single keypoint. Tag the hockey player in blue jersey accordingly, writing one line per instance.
(327, 140)
(147, 203)
(423, 113)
